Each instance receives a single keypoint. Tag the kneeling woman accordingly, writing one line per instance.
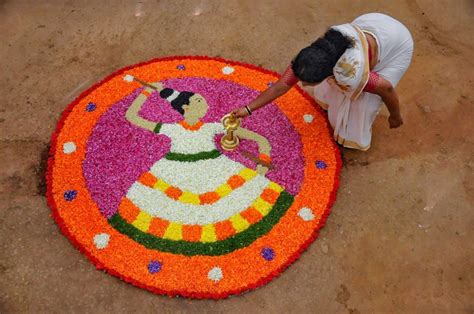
(353, 68)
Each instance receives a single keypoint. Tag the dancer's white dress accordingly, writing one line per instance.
(205, 170)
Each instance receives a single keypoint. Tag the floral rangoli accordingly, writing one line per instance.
(138, 180)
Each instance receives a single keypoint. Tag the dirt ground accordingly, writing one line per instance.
(401, 234)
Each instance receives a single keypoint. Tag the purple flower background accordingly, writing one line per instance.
(118, 152)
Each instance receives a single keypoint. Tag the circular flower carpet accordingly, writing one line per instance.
(138, 180)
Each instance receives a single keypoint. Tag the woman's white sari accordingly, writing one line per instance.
(352, 111)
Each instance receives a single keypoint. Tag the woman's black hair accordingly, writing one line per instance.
(180, 101)
(316, 62)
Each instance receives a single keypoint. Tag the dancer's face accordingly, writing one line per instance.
(197, 107)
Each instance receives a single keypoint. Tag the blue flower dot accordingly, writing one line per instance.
(70, 195)
(321, 164)
(91, 107)
(270, 84)
(181, 67)
(154, 267)
(268, 254)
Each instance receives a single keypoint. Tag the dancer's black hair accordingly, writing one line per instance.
(180, 101)
(316, 62)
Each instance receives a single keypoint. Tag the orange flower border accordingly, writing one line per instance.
(211, 290)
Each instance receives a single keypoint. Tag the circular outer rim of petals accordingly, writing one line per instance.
(134, 259)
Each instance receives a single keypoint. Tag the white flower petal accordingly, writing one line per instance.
(228, 70)
(306, 214)
(69, 147)
(101, 240)
(308, 118)
(215, 274)
(128, 78)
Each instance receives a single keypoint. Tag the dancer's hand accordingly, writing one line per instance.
(240, 112)
(159, 87)
(395, 121)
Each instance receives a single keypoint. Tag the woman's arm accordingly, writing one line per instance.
(384, 89)
(132, 113)
(266, 97)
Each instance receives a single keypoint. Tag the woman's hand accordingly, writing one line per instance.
(395, 121)
(389, 96)
(266, 97)
(240, 112)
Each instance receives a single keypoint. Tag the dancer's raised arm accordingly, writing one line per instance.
(132, 114)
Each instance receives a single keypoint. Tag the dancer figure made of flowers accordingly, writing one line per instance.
(195, 193)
